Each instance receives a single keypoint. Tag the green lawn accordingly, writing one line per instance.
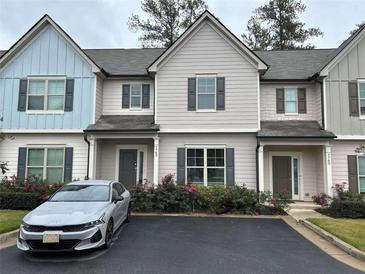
(349, 230)
(10, 219)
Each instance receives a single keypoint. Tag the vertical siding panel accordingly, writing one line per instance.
(361, 59)
(48, 53)
(53, 57)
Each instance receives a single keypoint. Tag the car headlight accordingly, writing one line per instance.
(94, 223)
(25, 225)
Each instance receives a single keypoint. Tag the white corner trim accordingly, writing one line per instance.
(216, 130)
(324, 103)
(258, 102)
(93, 117)
(350, 137)
(41, 131)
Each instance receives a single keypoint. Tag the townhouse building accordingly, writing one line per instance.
(207, 109)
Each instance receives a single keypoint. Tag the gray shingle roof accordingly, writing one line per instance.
(293, 129)
(293, 64)
(284, 65)
(122, 123)
(124, 61)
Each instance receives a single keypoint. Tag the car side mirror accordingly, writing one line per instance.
(118, 199)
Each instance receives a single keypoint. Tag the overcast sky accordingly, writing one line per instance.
(103, 23)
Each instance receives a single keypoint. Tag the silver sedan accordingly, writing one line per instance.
(81, 215)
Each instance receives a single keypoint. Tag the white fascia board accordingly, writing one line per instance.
(9, 131)
(350, 137)
(218, 26)
(222, 130)
(28, 37)
(338, 58)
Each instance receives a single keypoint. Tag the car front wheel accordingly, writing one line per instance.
(108, 235)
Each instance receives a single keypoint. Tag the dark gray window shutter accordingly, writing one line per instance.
(125, 96)
(180, 174)
(22, 100)
(352, 173)
(302, 100)
(280, 104)
(221, 93)
(191, 94)
(145, 96)
(69, 151)
(69, 100)
(353, 99)
(230, 181)
(22, 162)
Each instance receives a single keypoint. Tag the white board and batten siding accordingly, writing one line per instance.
(112, 98)
(9, 149)
(207, 52)
(268, 102)
(244, 145)
(349, 68)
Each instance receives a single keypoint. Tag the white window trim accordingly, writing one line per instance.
(197, 93)
(45, 148)
(296, 91)
(358, 170)
(360, 81)
(45, 103)
(205, 167)
(130, 97)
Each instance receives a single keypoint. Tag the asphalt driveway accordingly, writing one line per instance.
(188, 245)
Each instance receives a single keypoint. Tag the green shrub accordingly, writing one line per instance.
(347, 209)
(212, 198)
(19, 200)
(141, 198)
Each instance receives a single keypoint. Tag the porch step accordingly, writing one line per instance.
(303, 205)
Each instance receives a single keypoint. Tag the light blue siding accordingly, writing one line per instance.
(47, 54)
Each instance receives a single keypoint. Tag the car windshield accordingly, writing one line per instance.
(81, 193)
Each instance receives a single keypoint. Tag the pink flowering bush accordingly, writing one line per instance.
(321, 199)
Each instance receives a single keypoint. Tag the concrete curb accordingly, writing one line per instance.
(207, 215)
(5, 237)
(349, 249)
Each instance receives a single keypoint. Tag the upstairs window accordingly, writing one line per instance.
(206, 93)
(46, 94)
(136, 96)
(291, 101)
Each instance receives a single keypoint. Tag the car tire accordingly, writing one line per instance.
(108, 235)
(128, 218)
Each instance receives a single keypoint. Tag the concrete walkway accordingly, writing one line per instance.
(304, 210)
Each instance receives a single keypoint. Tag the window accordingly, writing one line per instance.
(206, 93)
(46, 164)
(361, 161)
(291, 100)
(362, 97)
(136, 96)
(205, 166)
(46, 94)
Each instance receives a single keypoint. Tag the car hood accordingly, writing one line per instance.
(66, 213)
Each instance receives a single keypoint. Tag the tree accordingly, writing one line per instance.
(276, 25)
(358, 26)
(166, 20)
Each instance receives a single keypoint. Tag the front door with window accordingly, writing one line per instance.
(285, 171)
(128, 167)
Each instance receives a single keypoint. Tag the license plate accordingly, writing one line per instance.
(51, 238)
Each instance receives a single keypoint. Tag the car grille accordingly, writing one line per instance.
(68, 228)
(62, 245)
